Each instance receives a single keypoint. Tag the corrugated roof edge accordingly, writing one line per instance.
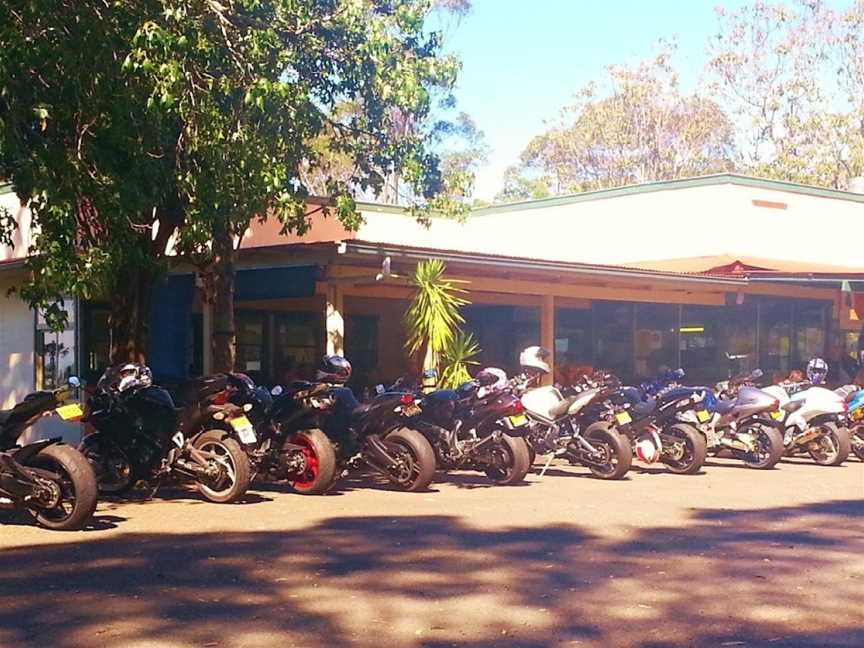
(668, 185)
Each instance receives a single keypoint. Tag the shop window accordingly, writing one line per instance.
(573, 345)
(251, 344)
(297, 346)
(613, 337)
(656, 339)
(361, 346)
(95, 340)
(502, 332)
(775, 336)
(717, 342)
(55, 353)
(809, 331)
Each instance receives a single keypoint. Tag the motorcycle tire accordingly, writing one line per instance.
(422, 457)
(858, 441)
(320, 459)
(617, 448)
(532, 456)
(840, 441)
(77, 482)
(696, 448)
(771, 443)
(236, 461)
(100, 451)
(516, 461)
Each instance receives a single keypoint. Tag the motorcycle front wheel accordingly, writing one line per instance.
(693, 449)
(613, 448)
(418, 459)
(235, 473)
(77, 492)
(769, 448)
(510, 461)
(319, 459)
(833, 447)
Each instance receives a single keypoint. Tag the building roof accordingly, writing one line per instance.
(737, 264)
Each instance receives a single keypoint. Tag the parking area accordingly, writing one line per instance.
(729, 557)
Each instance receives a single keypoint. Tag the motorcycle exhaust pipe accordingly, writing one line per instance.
(492, 438)
(807, 437)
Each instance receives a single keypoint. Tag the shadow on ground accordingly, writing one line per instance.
(777, 577)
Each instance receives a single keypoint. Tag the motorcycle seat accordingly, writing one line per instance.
(793, 406)
(723, 407)
(645, 407)
(560, 409)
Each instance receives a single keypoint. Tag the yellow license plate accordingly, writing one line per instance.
(240, 423)
(702, 415)
(71, 412)
(623, 418)
(776, 415)
(244, 429)
(518, 419)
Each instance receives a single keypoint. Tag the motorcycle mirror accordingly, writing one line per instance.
(247, 407)
(276, 391)
(430, 373)
(757, 373)
(379, 389)
(74, 381)
(679, 373)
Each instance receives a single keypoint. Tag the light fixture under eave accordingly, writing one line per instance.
(691, 329)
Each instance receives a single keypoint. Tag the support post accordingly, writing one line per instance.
(547, 333)
(334, 320)
(207, 337)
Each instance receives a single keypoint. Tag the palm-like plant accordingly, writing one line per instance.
(433, 316)
(456, 358)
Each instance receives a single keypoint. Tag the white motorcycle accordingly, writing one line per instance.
(812, 422)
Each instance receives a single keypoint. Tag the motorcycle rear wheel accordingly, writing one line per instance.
(416, 450)
(515, 461)
(834, 445)
(78, 491)
(856, 438)
(320, 459)
(229, 453)
(616, 448)
(695, 449)
(770, 448)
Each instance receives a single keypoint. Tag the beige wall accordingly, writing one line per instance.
(21, 238)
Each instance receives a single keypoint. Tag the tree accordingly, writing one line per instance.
(640, 129)
(182, 120)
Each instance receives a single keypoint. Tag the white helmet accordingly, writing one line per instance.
(817, 371)
(492, 380)
(535, 357)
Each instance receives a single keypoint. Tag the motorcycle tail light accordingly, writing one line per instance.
(518, 408)
(406, 399)
(221, 398)
(775, 406)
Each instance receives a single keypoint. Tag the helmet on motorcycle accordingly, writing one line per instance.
(647, 451)
(333, 369)
(535, 359)
(491, 380)
(133, 376)
(817, 371)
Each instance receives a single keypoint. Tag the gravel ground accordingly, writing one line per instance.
(729, 557)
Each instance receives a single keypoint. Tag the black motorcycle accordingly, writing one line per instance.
(142, 438)
(474, 431)
(50, 480)
(372, 435)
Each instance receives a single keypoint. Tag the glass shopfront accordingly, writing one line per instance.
(502, 332)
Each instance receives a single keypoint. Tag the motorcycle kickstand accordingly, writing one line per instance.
(548, 463)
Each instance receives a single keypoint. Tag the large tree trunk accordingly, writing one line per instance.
(130, 314)
(224, 349)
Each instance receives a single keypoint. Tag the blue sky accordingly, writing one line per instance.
(523, 60)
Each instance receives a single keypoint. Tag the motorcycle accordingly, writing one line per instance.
(472, 429)
(744, 421)
(576, 427)
(812, 422)
(141, 438)
(653, 418)
(47, 479)
(856, 423)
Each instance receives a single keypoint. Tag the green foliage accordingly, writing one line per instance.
(132, 125)
(433, 315)
(456, 359)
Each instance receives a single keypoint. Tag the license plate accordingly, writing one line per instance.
(702, 415)
(623, 418)
(71, 412)
(518, 419)
(411, 410)
(776, 415)
(243, 427)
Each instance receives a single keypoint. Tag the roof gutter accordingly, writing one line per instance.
(528, 264)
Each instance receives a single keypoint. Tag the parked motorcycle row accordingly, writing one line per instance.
(221, 432)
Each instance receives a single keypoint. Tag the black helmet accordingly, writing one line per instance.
(334, 369)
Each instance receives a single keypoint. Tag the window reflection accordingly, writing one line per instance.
(717, 342)
(656, 338)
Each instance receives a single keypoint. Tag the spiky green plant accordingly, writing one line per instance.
(433, 315)
(456, 358)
